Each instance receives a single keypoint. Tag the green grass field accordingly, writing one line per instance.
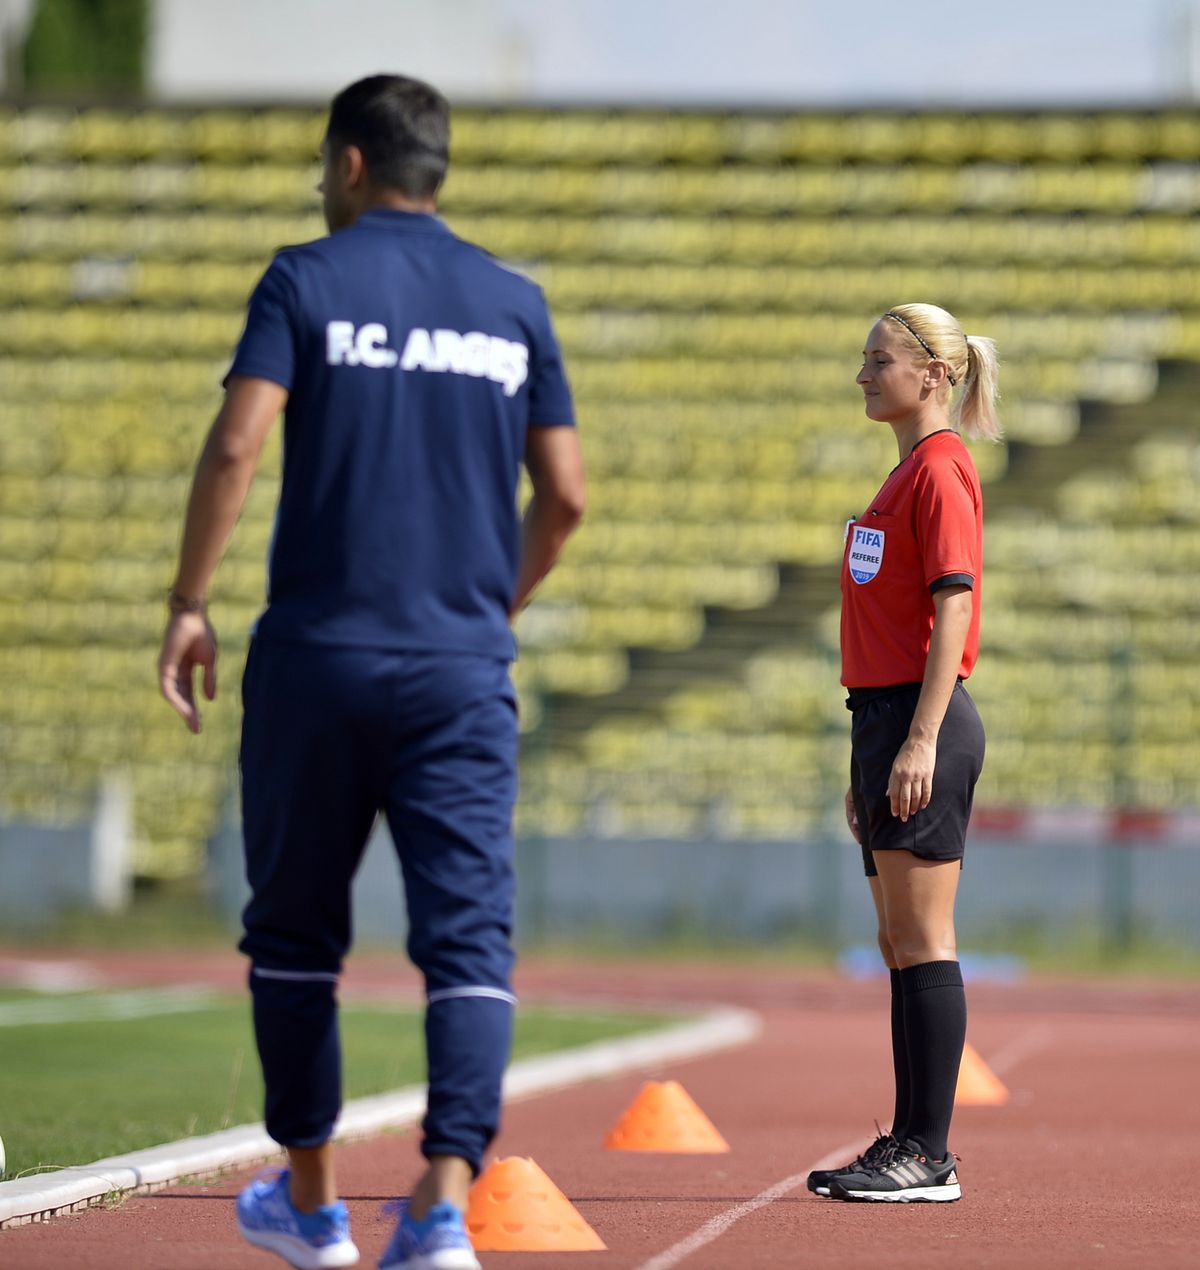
(74, 1092)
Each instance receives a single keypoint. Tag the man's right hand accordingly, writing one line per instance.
(189, 641)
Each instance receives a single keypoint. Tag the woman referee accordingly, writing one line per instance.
(911, 580)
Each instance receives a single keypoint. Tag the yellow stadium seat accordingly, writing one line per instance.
(713, 275)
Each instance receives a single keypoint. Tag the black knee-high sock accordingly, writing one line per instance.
(935, 1025)
(899, 1058)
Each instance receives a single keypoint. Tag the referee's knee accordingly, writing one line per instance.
(885, 947)
(915, 948)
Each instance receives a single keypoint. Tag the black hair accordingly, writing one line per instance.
(402, 127)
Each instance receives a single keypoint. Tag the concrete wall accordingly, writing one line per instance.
(765, 891)
(46, 869)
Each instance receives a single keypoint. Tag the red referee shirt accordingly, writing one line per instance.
(922, 531)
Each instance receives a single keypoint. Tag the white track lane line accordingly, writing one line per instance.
(715, 1227)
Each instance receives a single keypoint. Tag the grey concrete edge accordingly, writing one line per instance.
(35, 1198)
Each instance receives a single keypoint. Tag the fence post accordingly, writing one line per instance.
(1117, 878)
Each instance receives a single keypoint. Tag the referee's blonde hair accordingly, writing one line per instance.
(972, 359)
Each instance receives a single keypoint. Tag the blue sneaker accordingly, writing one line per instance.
(439, 1242)
(309, 1241)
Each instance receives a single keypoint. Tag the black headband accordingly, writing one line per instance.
(935, 356)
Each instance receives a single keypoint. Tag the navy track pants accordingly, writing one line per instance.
(332, 736)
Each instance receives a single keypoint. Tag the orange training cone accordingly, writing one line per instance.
(515, 1207)
(663, 1117)
(978, 1085)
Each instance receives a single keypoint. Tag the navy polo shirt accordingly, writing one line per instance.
(414, 364)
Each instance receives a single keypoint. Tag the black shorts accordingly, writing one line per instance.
(878, 728)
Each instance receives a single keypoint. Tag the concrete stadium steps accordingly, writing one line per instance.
(730, 637)
(1107, 433)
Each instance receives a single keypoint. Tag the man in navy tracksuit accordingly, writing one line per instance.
(416, 375)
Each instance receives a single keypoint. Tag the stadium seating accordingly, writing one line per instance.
(712, 276)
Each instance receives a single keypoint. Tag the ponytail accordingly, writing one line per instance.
(974, 413)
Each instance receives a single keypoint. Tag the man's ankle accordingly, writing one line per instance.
(446, 1181)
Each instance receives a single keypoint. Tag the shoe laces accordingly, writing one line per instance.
(884, 1158)
(888, 1151)
(884, 1141)
(902, 1153)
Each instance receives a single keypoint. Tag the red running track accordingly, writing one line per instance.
(1088, 1165)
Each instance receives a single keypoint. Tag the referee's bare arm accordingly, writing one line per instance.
(554, 460)
(910, 786)
(222, 481)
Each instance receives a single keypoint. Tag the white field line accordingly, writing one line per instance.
(141, 1003)
(38, 1196)
(715, 1227)
(144, 1003)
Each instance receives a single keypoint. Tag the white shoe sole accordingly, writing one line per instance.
(913, 1195)
(446, 1259)
(297, 1253)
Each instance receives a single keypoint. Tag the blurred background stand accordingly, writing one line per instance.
(47, 870)
(716, 203)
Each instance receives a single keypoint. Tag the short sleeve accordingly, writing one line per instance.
(550, 403)
(947, 525)
(267, 349)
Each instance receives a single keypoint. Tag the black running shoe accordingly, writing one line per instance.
(900, 1174)
(819, 1179)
